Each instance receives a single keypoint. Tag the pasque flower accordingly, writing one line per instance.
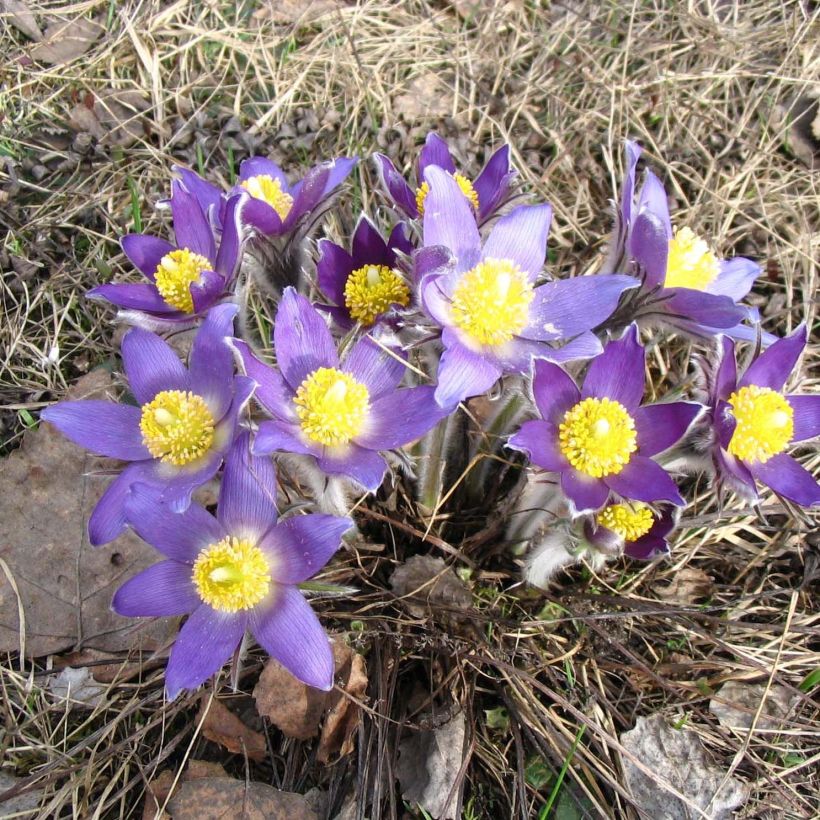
(341, 413)
(754, 422)
(366, 283)
(187, 278)
(176, 435)
(495, 317)
(683, 283)
(599, 438)
(632, 528)
(237, 571)
(485, 195)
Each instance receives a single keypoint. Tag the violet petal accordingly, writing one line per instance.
(151, 365)
(162, 590)
(773, 367)
(618, 373)
(521, 236)
(539, 440)
(644, 480)
(398, 418)
(806, 416)
(788, 478)
(145, 252)
(659, 426)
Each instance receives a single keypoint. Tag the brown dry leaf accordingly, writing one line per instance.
(219, 798)
(425, 582)
(742, 701)
(425, 97)
(76, 688)
(688, 586)
(64, 585)
(113, 117)
(429, 764)
(160, 787)
(222, 726)
(65, 41)
(343, 714)
(679, 757)
(295, 11)
(19, 15)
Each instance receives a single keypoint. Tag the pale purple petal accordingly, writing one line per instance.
(274, 436)
(435, 259)
(618, 373)
(396, 186)
(207, 290)
(633, 154)
(806, 416)
(449, 219)
(204, 644)
(435, 152)
(652, 198)
(302, 339)
(107, 519)
(644, 480)
(145, 252)
(301, 545)
(725, 379)
(230, 243)
(492, 185)
(521, 236)
(774, 366)
(463, 373)
(338, 171)
(103, 427)
(247, 496)
(151, 365)
(271, 391)
(377, 369)
(554, 391)
(788, 478)
(260, 167)
(659, 426)
(435, 295)
(209, 196)
(585, 346)
(162, 590)
(260, 215)
(649, 246)
(539, 440)
(211, 362)
(706, 309)
(289, 631)
(308, 194)
(177, 535)
(192, 229)
(735, 278)
(332, 270)
(366, 467)
(585, 493)
(143, 297)
(398, 418)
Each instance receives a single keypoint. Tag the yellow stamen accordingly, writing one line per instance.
(269, 189)
(630, 521)
(177, 427)
(463, 183)
(232, 574)
(765, 423)
(691, 264)
(598, 437)
(371, 290)
(332, 406)
(175, 274)
(491, 302)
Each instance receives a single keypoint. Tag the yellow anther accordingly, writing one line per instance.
(690, 264)
(332, 406)
(764, 423)
(177, 427)
(231, 575)
(463, 183)
(269, 189)
(175, 274)
(371, 290)
(630, 521)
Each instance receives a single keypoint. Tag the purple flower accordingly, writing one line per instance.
(599, 438)
(340, 413)
(184, 280)
(486, 194)
(180, 429)
(634, 529)
(754, 422)
(365, 284)
(275, 207)
(495, 318)
(237, 571)
(683, 283)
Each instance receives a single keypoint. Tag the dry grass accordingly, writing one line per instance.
(704, 90)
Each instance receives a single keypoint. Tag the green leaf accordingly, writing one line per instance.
(536, 773)
(810, 681)
(497, 718)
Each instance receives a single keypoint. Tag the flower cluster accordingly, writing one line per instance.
(450, 302)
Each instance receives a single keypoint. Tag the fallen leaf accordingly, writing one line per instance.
(160, 787)
(65, 41)
(429, 765)
(679, 757)
(219, 798)
(77, 686)
(425, 582)
(688, 586)
(22, 804)
(222, 726)
(343, 714)
(113, 117)
(64, 585)
(425, 97)
(736, 704)
(19, 15)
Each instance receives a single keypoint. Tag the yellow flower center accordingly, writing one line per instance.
(371, 290)
(232, 574)
(491, 302)
(597, 436)
(630, 521)
(690, 263)
(332, 406)
(765, 423)
(175, 274)
(177, 427)
(463, 183)
(269, 189)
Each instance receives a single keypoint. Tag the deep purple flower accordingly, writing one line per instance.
(486, 194)
(683, 283)
(275, 207)
(185, 280)
(233, 572)
(599, 438)
(365, 284)
(633, 529)
(340, 413)
(754, 422)
(180, 429)
(211, 198)
(495, 318)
